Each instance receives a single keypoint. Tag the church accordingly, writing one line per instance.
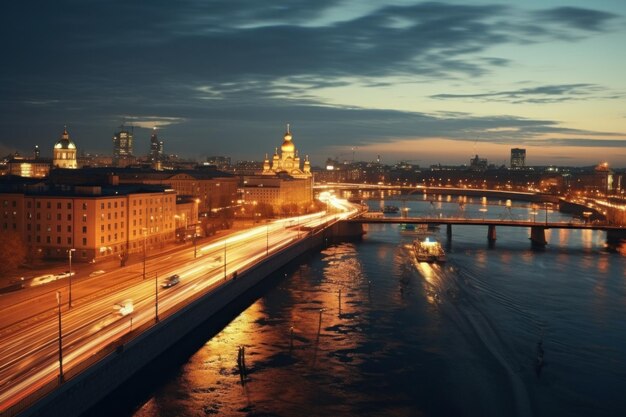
(283, 184)
(288, 161)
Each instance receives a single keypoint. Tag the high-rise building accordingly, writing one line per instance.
(156, 150)
(64, 152)
(518, 158)
(123, 147)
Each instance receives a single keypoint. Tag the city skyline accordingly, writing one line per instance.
(425, 81)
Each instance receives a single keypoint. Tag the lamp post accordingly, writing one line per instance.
(145, 234)
(69, 255)
(156, 297)
(61, 377)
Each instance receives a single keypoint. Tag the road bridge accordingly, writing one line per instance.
(537, 229)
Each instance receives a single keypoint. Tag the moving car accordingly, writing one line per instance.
(65, 274)
(124, 308)
(170, 281)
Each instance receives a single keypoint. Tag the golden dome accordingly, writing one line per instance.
(65, 142)
(288, 145)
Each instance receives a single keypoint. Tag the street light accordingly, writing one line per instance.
(61, 377)
(69, 255)
(156, 297)
(145, 234)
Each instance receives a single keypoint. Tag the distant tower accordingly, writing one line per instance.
(518, 158)
(36, 152)
(122, 147)
(64, 152)
(156, 150)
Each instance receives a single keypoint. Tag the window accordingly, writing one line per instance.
(38, 204)
(84, 242)
(101, 239)
(58, 228)
(38, 216)
(109, 216)
(38, 239)
(58, 206)
(84, 229)
(69, 229)
(115, 236)
(69, 240)
(84, 206)
(115, 205)
(58, 240)
(28, 204)
(109, 226)
(28, 227)
(39, 228)
(69, 217)
(101, 206)
(69, 206)
(84, 218)
(109, 204)
(47, 239)
(59, 216)
(48, 216)
(48, 205)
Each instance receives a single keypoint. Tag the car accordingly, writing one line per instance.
(96, 273)
(170, 281)
(65, 274)
(124, 308)
(43, 279)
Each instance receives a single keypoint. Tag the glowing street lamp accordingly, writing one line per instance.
(69, 255)
(61, 377)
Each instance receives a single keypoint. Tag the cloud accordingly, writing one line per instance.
(226, 74)
(538, 95)
(575, 17)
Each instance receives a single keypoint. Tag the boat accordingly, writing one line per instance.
(413, 229)
(428, 250)
(391, 209)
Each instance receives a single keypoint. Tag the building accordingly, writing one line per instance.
(282, 183)
(287, 161)
(99, 222)
(518, 158)
(478, 164)
(123, 148)
(283, 192)
(64, 152)
(214, 190)
(36, 167)
(156, 151)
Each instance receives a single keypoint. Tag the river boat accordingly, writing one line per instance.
(391, 209)
(429, 250)
(413, 229)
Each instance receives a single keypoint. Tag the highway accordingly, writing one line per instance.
(108, 307)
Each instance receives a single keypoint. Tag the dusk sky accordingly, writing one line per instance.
(430, 82)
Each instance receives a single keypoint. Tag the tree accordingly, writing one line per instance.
(14, 252)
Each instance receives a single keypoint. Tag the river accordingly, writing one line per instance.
(362, 329)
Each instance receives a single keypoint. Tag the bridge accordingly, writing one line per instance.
(537, 229)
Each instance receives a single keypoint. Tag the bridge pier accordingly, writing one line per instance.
(491, 235)
(615, 239)
(538, 237)
(449, 231)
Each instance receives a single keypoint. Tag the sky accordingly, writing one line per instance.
(425, 82)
